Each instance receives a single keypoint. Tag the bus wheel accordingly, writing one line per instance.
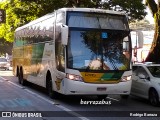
(100, 97)
(20, 78)
(52, 94)
(153, 97)
(49, 89)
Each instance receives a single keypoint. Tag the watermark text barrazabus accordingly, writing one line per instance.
(101, 102)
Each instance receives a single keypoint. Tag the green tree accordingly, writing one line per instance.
(20, 12)
(134, 8)
(5, 44)
(155, 48)
(6, 30)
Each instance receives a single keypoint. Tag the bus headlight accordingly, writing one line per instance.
(74, 77)
(126, 78)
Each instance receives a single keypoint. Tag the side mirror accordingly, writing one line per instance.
(64, 34)
(148, 78)
(125, 44)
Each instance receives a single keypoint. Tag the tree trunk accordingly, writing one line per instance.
(154, 53)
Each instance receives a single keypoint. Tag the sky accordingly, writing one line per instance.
(149, 16)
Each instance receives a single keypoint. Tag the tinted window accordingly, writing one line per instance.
(89, 50)
(137, 70)
(154, 70)
(97, 20)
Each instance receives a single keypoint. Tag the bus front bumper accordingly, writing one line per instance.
(81, 88)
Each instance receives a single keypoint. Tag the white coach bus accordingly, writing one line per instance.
(75, 51)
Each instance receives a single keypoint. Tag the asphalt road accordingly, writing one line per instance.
(19, 102)
(32, 98)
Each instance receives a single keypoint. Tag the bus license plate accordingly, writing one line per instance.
(101, 89)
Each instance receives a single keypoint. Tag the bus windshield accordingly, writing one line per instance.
(97, 20)
(99, 50)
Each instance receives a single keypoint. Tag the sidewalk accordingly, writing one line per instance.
(6, 73)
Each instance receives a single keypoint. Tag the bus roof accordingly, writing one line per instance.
(94, 10)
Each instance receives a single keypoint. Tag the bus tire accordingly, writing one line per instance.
(49, 89)
(153, 97)
(52, 94)
(17, 72)
(21, 79)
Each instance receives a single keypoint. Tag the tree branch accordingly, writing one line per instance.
(152, 6)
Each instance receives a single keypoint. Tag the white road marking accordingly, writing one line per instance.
(49, 101)
(3, 78)
(112, 98)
